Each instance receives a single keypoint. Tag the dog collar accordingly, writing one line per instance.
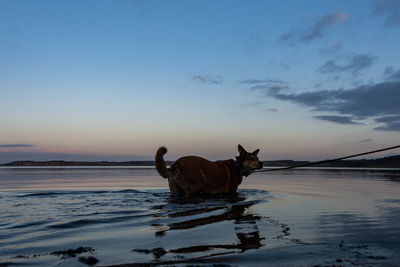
(242, 171)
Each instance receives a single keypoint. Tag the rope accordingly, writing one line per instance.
(326, 161)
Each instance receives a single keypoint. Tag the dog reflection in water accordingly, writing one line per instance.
(184, 214)
(191, 175)
(244, 224)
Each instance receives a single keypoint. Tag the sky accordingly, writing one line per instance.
(114, 80)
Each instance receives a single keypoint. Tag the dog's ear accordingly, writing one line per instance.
(241, 150)
(255, 152)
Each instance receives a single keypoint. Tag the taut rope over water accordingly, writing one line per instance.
(328, 160)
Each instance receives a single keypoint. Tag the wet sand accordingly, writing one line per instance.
(125, 217)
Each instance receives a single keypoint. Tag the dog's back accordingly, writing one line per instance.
(196, 174)
(191, 174)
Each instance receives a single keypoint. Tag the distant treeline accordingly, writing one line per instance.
(386, 162)
(78, 163)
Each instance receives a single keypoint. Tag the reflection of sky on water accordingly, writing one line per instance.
(79, 178)
(303, 209)
(333, 205)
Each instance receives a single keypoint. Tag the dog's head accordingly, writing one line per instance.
(249, 161)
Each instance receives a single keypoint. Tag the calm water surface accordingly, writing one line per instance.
(305, 217)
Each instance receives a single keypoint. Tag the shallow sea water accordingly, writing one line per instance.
(125, 216)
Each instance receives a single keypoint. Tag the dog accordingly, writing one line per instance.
(193, 175)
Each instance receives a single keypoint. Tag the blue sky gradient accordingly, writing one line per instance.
(114, 80)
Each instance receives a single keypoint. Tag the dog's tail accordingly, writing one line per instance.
(160, 163)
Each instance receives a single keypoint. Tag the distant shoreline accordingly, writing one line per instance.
(386, 162)
(61, 163)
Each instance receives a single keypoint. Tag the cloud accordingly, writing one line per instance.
(390, 126)
(267, 86)
(388, 71)
(331, 49)
(366, 140)
(390, 9)
(337, 119)
(391, 74)
(359, 103)
(316, 30)
(395, 76)
(268, 89)
(16, 145)
(255, 81)
(388, 119)
(355, 64)
(210, 79)
(391, 123)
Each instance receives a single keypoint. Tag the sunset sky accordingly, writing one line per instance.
(114, 80)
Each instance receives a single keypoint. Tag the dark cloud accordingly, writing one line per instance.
(388, 119)
(395, 76)
(391, 123)
(388, 71)
(390, 126)
(390, 9)
(211, 79)
(366, 140)
(316, 30)
(337, 119)
(272, 109)
(16, 145)
(355, 64)
(391, 74)
(359, 103)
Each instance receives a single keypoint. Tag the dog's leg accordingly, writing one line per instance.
(173, 186)
(189, 194)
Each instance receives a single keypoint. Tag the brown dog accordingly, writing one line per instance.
(191, 175)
